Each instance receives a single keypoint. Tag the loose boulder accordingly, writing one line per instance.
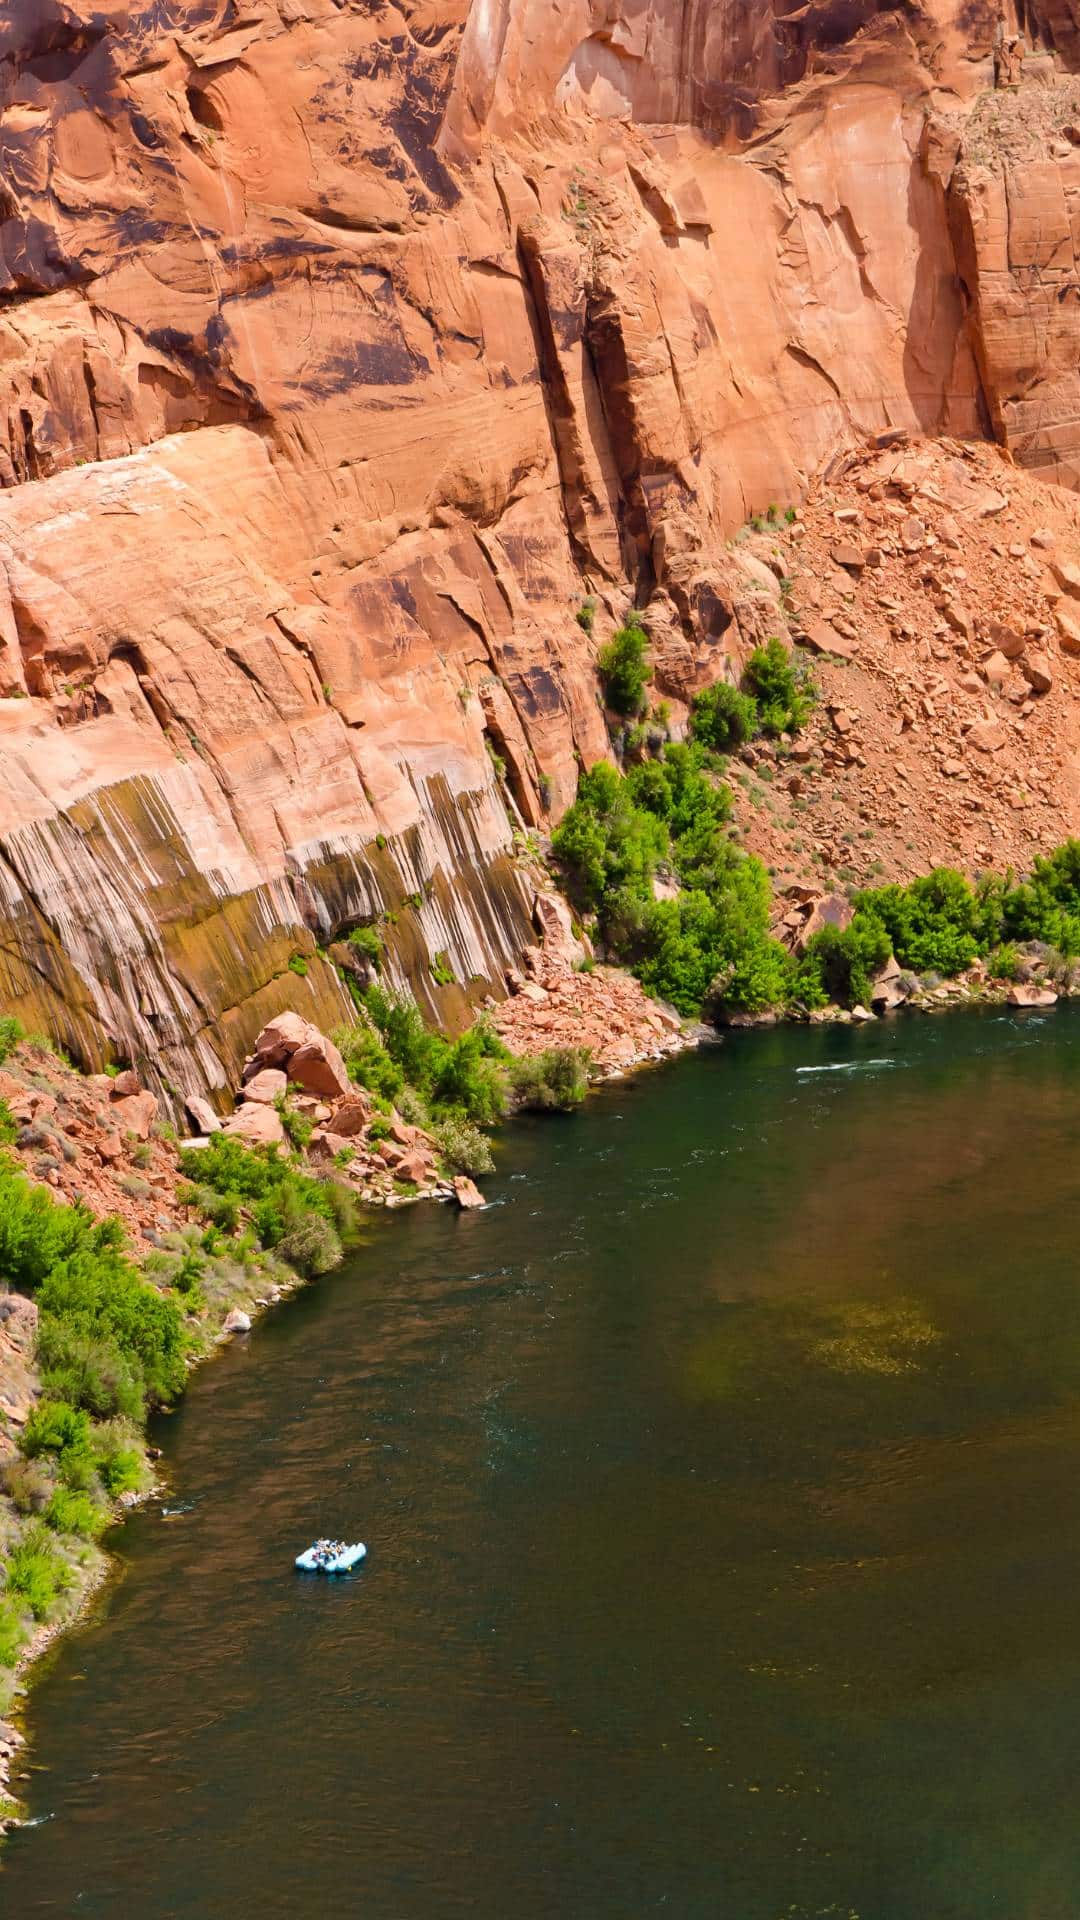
(136, 1114)
(352, 1114)
(887, 989)
(279, 1040)
(467, 1193)
(318, 1067)
(256, 1124)
(202, 1114)
(1037, 672)
(266, 1086)
(1020, 995)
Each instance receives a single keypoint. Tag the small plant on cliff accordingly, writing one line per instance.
(366, 941)
(11, 1032)
(723, 718)
(624, 668)
(298, 965)
(441, 971)
(586, 614)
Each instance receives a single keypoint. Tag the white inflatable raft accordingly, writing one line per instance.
(330, 1556)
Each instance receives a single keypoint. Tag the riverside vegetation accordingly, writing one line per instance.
(650, 855)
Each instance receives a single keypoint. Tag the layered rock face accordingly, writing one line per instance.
(345, 347)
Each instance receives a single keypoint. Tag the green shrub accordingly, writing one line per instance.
(121, 1469)
(366, 941)
(441, 971)
(606, 841)
(36, 1232)
(467, 1073)
(53, 1426)
(783, 691)
(554, 1081)
(35, 1571)
(298, 965)
(839, 965)
(463, 1144)
(101, 1295)
(27, 1485)
(932, 923)
(9, 1129)
(298, 1127)
(13, 1635)
(91, 1371)
(69, 1512)
(311, 1246)
(624, 668)
(11, 1032)
(1005, 962)
(368, 1061)
(586, 614)
(723, 718)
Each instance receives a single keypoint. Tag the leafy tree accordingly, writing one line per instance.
(783, 692)
(723, 718)
(624, 668)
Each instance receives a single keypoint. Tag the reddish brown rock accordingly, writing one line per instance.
(125, 1084)
(319, 1068)
(136, 1113)
(467, 1193)
(987, 736)
(266, 1086)
(352, 1114)
(278, 1041)
(257, 1125)
(1038, 672)
(1067, 621)
(203, 1115)
(1023, 995)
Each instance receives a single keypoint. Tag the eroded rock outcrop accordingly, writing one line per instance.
(344, 349)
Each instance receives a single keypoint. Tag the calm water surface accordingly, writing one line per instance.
(722, 1488)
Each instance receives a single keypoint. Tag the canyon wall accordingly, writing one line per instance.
(346, 346)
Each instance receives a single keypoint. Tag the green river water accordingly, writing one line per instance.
(722, 1491)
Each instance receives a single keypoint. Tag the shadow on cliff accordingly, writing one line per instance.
(941, 377)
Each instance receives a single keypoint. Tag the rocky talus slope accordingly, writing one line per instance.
(938, 587)
(345, 347)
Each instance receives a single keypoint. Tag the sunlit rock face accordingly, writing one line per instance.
(345, 348)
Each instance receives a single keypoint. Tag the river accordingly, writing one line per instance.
(722, 1490)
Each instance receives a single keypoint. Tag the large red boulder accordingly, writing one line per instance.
(318, 1067)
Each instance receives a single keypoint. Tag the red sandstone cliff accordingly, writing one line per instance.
(345, 345)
